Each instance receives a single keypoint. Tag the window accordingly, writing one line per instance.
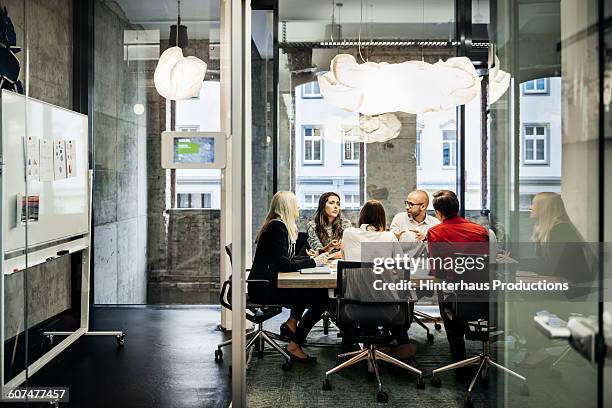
(536, 86)
(525, 202)
(535, 144)
(194, 200)
(311, 201)
(350, 201)
(449, 148)
(188, 128)
(350, 147)
(417, 148)
(311, 90)
(313, 145)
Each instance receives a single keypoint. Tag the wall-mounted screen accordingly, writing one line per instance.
(193, 150)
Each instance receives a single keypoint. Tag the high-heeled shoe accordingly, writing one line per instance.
(285, 331)
(297, 359)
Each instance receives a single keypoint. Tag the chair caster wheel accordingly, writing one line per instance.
(382, 397)
(436, 382)
(438, 326)
(326, 385)
(120, 339)
(420, 383)
(218, 355)
(286, 366)
(468, 402)
(524, 389)
(430, 338)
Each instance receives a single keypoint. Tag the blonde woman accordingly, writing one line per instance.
(560, 248)
(275, 253)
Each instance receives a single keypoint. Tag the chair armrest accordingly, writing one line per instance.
(226, 290)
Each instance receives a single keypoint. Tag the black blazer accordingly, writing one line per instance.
(272, 256)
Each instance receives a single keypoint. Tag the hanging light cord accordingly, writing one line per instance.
(359, 37)
(423, 32)
(178, 22)
(332, 22)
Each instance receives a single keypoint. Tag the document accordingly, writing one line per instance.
(317, 269)
(32, 158)
(46, 160)
(70, 158)
(59, 159)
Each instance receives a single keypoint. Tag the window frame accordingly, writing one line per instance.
(534, 137)
(356, 204)
(313, 162)
(418, 149)
(453, 151)
(315, 202)
(535, 91)
(308, 87)
(355, 146)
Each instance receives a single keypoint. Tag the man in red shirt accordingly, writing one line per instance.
(453, 235)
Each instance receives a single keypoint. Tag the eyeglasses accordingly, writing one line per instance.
(409, 204)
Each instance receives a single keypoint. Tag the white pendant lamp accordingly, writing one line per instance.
(177, 77)
(412, 86)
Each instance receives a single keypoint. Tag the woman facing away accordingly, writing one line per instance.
(327, 226)
(372, 240)
(275, 253)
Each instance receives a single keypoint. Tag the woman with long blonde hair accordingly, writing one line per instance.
(275, 254)
(559, 245)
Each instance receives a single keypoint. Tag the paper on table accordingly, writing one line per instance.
(46, 160)
(70, 158)
(59, 159)
(317, 269)
(32, 158)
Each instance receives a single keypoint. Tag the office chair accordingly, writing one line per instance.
(419, 318)
(473, 308)
(257, 313)
(374, 318)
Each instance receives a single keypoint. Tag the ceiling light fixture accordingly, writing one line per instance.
(177, 77)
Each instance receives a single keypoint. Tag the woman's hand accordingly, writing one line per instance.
(321, 259)
(334, 244)
(311, 252)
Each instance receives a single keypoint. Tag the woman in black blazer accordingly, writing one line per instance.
(276, 253)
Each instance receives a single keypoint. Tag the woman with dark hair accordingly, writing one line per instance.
(372, 228)
(327, 226)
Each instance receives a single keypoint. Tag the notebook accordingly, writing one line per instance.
(318, 269)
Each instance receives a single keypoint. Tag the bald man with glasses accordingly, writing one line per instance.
(413, 224)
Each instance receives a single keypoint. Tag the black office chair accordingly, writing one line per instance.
(257, 313)
(374, 318)
(473, 307)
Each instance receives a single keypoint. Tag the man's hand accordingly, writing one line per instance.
(312, 252)
(419, 235)
(398, 234)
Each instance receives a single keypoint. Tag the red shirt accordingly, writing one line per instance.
(456, 230)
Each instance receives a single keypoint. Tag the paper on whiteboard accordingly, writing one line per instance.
(70, 158)
(32, 158)
(46, 160)
(59, 159)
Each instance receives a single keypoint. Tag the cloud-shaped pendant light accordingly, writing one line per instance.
(177, 77)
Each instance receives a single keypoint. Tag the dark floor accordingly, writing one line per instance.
(167, 361)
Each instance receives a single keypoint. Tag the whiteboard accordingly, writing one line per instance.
(64, 202)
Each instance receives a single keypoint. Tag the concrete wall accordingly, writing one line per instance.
(120, 169)
(49, 25)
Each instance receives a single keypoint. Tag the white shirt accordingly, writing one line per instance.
(353, 238)
(401, 222)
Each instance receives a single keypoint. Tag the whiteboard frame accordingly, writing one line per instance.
(18, 264)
